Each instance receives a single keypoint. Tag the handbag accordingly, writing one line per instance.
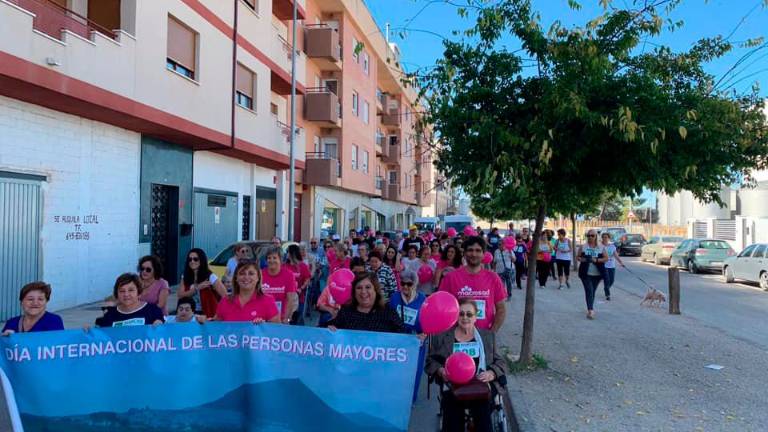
(472, 391)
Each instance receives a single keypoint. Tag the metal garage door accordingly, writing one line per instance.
(217, 220)
(20, 223)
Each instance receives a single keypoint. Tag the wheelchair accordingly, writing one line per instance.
(501, 406)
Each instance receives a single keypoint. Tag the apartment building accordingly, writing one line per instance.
(132, 127)
(366, 165)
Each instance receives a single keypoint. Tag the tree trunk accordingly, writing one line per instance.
(526, 348)
(573, 240)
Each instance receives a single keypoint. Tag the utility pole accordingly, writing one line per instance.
(292, 169)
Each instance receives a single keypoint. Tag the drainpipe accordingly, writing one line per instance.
(292, 165)
(234, 76)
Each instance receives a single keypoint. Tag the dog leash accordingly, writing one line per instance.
(638, 278)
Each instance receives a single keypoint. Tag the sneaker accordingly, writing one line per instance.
(560, 287)
(608, 298)
(568, 284)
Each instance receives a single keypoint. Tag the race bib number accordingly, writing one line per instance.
(480, 309)
(129, 322)
(409, 315)
(562, 247)
(470, 348)
(279, 307)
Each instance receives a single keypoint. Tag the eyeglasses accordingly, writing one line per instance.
(193, 259)
(466, 314)
(146, 269)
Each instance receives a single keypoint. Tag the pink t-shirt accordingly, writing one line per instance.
(259, 306)
(336, 264)
(484, 287)
(300, 272)
(278, 286)
(152, 294)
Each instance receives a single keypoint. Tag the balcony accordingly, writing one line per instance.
(280, 51)
(381, 101)
(391, 119)
(394, 192)
(322, 170)
(52, 19)
(321, 44)
(380, 144)
(391, 153)
(283, 9)
(322, 106)
(379, 183)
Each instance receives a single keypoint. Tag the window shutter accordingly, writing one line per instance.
(181, 43)
(245, 80)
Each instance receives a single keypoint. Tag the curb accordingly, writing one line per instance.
(520, 411)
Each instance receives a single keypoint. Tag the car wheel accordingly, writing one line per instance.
(728, 275)
(656, 259)
(764, 280)
(692, 267)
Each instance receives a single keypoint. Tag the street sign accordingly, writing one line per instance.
(631, 215)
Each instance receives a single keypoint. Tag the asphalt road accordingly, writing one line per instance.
(738, 309)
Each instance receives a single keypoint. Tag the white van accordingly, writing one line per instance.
(458, 222)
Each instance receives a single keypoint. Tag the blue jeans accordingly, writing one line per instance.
(610, 276)
(590, 286)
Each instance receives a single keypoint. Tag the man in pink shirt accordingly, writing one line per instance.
(474, 282)
(280, 283)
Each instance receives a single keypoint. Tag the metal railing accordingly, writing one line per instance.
(324, 155)
(379, 182)
(51, 18)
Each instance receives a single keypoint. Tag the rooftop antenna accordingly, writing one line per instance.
(386, 33)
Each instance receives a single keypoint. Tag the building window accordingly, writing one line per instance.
(253, 4)
(354, 157)
(355, 53)
(181, 48)
(365, 161)
(366, 112)
(245, 89)
(393, 177)
(366, 63)
(355, 103)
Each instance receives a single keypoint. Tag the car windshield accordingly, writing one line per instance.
(635, 237)
(671, 239)
(713, 244)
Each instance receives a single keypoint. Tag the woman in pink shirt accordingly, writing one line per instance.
(300, 270)
(280, 283)
(154, 289)
(339, 259)
(247, 302)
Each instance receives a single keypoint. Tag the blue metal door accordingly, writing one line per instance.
(20, 223)
(216, 222)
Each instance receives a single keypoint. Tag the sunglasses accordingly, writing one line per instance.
(193, 259)
(466, 314)
(406, 283)
(591, 235)
(312, 242)
(146, 269)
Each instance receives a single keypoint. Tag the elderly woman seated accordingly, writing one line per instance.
(34, 298)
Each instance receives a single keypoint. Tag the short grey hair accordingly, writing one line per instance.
(409, 275)
(274, 250)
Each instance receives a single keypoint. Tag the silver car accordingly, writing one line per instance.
(751, 265)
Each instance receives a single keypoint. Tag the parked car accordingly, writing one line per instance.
(751, 265)
(659, 249)
(701, 254)
(615, 232)
(630, 244)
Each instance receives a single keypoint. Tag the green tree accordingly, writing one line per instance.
(598, 114)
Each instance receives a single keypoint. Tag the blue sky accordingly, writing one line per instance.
(420, 20)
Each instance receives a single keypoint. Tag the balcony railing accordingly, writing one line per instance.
(322, 169)
(322, 105)
(379, 182)
(51, 18)
(322, 42)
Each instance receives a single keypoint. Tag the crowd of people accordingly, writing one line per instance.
(393, 279)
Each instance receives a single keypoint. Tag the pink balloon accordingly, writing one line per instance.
(451, 232)
(487, 258)
(509, 243)
(459, 368)
(469, 231)
(340, 284)
(439, 312)
(425, 274)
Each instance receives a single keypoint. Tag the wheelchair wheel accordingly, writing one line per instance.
(501, 417)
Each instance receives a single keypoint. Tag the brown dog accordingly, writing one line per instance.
(654, 297)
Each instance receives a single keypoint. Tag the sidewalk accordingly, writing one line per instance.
(632, 369)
